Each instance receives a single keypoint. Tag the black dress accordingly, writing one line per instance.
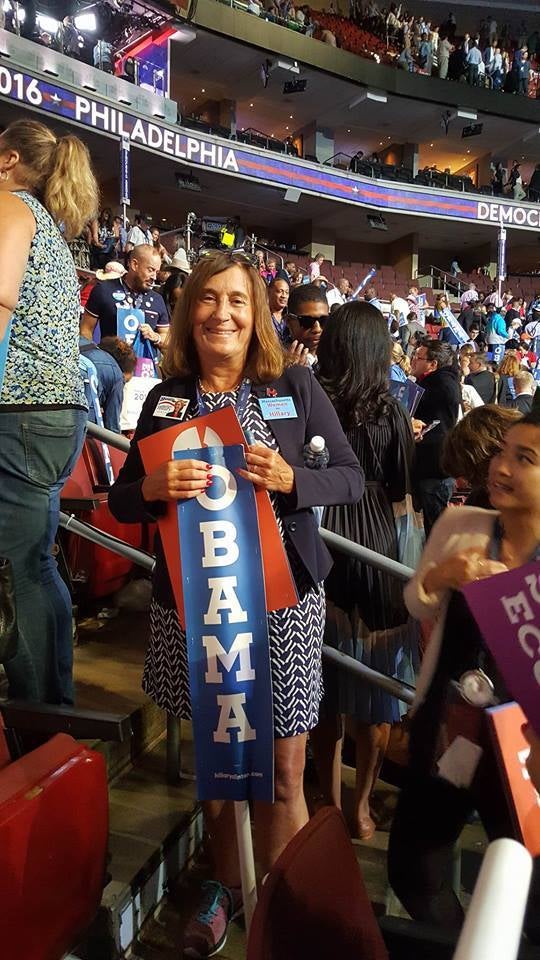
(366, 615)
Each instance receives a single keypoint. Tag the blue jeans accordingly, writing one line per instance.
(38, 452)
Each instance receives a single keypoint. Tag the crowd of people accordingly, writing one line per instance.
(224, 330)
(496, 56)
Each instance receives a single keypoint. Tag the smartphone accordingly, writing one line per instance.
(428, 427)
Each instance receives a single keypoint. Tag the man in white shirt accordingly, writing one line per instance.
(399, 308)
(469, 295)
(139, 234)
(338, 294)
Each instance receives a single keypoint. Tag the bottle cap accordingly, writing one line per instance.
(317, 444)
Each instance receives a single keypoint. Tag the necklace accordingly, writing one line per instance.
(205, 389)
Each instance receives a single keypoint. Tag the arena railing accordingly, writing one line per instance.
(402, 691)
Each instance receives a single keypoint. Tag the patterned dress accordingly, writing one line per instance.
(295, 633)
(42, 364)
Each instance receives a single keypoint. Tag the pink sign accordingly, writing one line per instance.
(507, 610)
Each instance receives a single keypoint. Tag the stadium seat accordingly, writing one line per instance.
(314, 903)
(53, 847)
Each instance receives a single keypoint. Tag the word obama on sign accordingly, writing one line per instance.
(227, 634)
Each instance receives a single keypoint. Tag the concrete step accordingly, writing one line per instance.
(155, 832)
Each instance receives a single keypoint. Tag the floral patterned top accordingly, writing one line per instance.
(42, 365)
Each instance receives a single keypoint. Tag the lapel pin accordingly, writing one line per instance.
(271, 392)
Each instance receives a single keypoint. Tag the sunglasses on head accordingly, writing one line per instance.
(308, 322)
(235, 256)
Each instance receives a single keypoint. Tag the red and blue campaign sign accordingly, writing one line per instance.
(227, 632)
(220, 428)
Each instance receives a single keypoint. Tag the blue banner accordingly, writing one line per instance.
(125, 185)
(227, 633)
(4, 344)
(91, 385)
(128, 321)
(460, 334)
(255, 164)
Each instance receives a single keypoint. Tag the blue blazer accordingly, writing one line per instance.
(342, 482)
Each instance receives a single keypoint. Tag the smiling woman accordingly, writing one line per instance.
(224, 351)
(453, 769)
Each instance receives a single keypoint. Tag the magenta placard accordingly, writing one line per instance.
(507, 610)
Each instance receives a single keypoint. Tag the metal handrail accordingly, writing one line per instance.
(403, 691)
(116, 440)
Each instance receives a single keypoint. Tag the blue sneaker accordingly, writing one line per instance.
(206, 932)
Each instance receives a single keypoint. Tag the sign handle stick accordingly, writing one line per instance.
(244, 839)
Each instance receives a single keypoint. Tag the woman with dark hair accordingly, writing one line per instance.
(172, 289)
(453, 766)
(366, 617)
(105, 241)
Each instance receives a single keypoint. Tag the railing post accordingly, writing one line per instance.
(174, 745)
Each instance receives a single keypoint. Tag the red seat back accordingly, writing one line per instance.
(53, 846)
(314, 903)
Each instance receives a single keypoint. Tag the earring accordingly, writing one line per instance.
(4, 175)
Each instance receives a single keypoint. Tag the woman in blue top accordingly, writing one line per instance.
(45, 182)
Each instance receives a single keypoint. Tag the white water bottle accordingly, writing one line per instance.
(316, 454)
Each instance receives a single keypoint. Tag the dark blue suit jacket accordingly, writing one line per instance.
(340, 483)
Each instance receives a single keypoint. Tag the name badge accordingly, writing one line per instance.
(277, 408)
(173, 408)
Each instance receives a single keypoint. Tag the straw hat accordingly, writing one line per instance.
(180, 261)
(113, 270)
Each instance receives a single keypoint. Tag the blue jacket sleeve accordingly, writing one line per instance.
(343, 479)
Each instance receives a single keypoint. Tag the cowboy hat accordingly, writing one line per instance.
(113, 270)
(180, 261)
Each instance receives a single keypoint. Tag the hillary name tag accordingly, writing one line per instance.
(173, 408)
(277, 408)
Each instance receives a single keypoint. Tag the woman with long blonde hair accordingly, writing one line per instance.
(47, 194)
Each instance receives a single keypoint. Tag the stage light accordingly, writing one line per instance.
(48, 24)
(86, 22)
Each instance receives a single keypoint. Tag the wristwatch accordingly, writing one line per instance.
(477, 689)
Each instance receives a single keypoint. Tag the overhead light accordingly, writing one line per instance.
(86, 22)
(286, 128)
(185, 34)
(203, 90)
(377, 96)
(186, 181)
(292, 195)
(294, 86)
(251, 104)
(467, 113)
(348, 131)
(48, 24)
(289, 66)
(290, 116)
(89, 86)
(51, 71)
(431, 144)
(125, 101)
(377, 221)
(160, 116)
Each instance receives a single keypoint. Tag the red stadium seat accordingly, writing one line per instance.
(314, 903)
(85, 493)
(53, 848)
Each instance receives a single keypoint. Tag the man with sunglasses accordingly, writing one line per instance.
(307, 313)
